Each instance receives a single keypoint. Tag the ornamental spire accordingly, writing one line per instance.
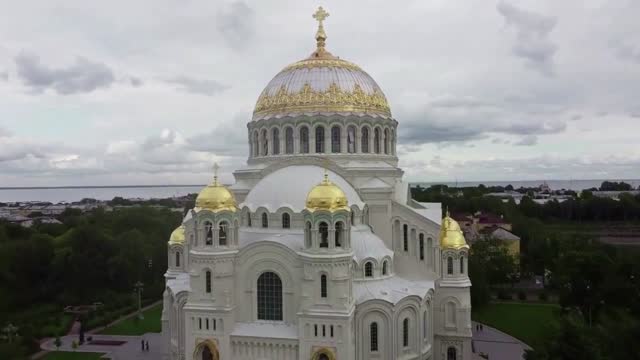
(321, 36)
(215, 173)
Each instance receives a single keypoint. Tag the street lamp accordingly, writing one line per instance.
(138, 288)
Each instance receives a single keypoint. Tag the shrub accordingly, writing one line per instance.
(543, 296)
(522, 296)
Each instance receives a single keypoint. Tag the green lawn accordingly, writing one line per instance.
(68, 355)
(527, 322)
(134, 326)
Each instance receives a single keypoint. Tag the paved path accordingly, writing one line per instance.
(131, 350)
(498, 345)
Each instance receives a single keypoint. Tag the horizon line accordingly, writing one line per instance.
(202, 185)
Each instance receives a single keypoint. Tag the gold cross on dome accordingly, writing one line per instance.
(215, 172)
(320, 15)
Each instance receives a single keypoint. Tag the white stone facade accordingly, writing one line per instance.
(273, 280)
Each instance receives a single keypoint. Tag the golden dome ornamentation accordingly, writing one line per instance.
(321, 83)
(327, 196)
(451, 236)
(216, 197)
(177, 236)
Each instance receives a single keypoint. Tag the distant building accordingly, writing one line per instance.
(480, 226)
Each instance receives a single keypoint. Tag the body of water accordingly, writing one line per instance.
(576, 185)
(70, 194)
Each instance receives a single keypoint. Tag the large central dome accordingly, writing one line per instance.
(321, 83)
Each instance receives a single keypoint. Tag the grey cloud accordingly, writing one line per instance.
(532, 36)
(235, 23)
(228, 139)
(167, 137)
(527, 140)
(628, 52)
(81, 77)
(469, 121)
(4, 75)
(135, 81)
(198, 86)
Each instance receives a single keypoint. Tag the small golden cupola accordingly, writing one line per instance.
(451, 236)
(177, 236)
(215, 196)
(327, 196)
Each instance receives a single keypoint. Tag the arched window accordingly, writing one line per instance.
(323, 356)
(323, 286)
(352, 218)
(304, 140)
(384, 267)
(177, 258)
(207, 282)
(307, 235)
(275, 135)
(286, 221)
(269, 297)
(351, 139)
(424, 325)
(368, 269)
(421, 244)
(323, 228)
(335, 139)
(206, 353)
(376, 140)
(452, 353)
(373, 336)
(320, 139)
(449, 265)
(265, 143)
(386, 141)
(405, 237)
(222, 233)
(450, 314)
(265, 220)
(288, 140)
(208, 231)
(256, 144)
(405, 332)
(248, 219)
(365, 140)
(461, 264)
(338, 235)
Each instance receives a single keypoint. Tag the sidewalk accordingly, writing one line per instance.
(47, 344)
(498, 345)
(131, 350)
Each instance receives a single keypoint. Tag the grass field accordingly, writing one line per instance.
(527, 322)
(134, 326)
(68, 355)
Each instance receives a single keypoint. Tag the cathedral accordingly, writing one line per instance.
(317, 250)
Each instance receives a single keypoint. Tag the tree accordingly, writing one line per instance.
(491, 257)
(615, 186)
(74, 345)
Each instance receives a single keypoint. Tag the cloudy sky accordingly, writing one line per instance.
(155, 91)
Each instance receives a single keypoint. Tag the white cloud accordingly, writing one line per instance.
(157, 99)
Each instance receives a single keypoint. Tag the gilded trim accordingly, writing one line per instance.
(318, 63)
(334, 99)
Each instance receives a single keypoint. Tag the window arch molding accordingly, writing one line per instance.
(276, 135)
(269, 265)
(365, 139)
(303, 134)
(374, 267)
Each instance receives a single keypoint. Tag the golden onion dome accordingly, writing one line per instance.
(216, 197)
(177, 236)
(451, 236)
(321, 83)
(327, 196)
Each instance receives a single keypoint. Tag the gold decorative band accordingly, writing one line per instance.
(334, 99)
